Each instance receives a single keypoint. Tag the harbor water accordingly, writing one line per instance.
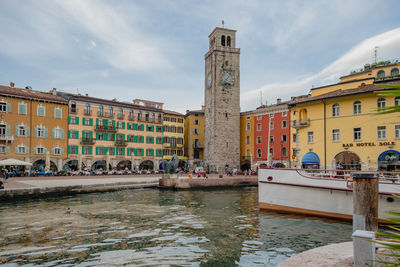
(153, 227)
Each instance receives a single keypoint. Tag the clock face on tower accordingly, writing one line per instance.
(209, 79)
(227, 77)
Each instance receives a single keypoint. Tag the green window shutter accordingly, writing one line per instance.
(135, 139)
(7, 149)
(83, 120)
(91, 134)
(123, 125)
(35, 132)
(123, 137)
(105, 122)
(69, 135)
(16, 130)
(97, 121)
(77, 134)
(45, 132)
(8, 130)
(52, 133)
(77, 120)
(62, 134)
(16, 150)
(113, 150)
(113, 137)
(91, 122)
(83, 150)
(27, 131)
(90, 150)
(69, 119)
(27, 149)
(135, 126)
(147, 152)
(152, 128)
(8, 107)
(123, 151)
(97, 150)
(69, 149)
(106, 137)
(113, 123)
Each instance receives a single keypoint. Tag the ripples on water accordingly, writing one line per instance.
(152, 227)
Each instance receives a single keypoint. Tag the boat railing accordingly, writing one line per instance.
(384, 176)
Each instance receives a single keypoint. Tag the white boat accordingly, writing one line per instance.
(320, 193)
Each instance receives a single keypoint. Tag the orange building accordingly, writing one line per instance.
(33, 126)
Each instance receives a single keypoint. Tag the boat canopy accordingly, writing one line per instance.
(310, 158)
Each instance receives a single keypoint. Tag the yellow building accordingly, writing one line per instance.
(33, 127)
(174, 135)
(194, 137)
(339, 126)
(246, 140)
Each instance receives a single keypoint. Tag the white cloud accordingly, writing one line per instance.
(389, 45)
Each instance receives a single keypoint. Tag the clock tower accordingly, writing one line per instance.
(222, 102)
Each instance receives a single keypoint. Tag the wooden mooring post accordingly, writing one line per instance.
(365, 201)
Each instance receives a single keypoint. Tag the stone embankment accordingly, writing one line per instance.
(211, 182)
(30, 187)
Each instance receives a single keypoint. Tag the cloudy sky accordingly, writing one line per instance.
(154, 49)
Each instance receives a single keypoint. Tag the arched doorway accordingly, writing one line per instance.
(245, 165)
(40, 165)
(72, 165)
(310, 161)
(100, 164)
(389, 160)
(347, 160)
(146, 165)
(124, 164)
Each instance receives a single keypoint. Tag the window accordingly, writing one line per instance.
(357, 107)
(21, 149)
(3, 129)
(40, 150)
(272, 125)
(57, 133)
(73, 107)
(335, 110)
(87, 109)
(22, 108)
(381, 103)
(195, 131)
(21, 131)
(247, 140)
(310, 137)
(381, 132)
(284, 152)
(394, 72)
(248, 118)
(121, 113)
(139, 116)
(271, 115)
(87, 121)
(73, 150)
(87, 150)
(248, 126)
(259, 118)
(3, 149)
(258, 139)
(380, 74)
(3, 107)
(284, 114)
(57, 151)
(397, 101)
(397, 131)
(284, 138)
(294, 137)
(228, 41)
(41, 110)
(196, 122)
(259, 126)
(271, 152)
(73, 120)
(131, 115)
(259, 154)
(110, 112)
(101, 111)
(58, 113)
(271, 139)
(284, 124)
(74, 134)
(335, 135)
(357, 134)
(223, 40)
(41, 131)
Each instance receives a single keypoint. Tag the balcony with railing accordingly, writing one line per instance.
(87, 141)
(104, 128)
(300, 124)
(120, 143)
(6, 137)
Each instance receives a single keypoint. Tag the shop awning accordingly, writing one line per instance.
(310, 158)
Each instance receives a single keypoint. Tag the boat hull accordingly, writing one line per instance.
(289, 191)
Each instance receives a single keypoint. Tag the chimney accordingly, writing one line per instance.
(12, 84)
(86, 94)
(187, 111)
(278, 101)
(54, 91)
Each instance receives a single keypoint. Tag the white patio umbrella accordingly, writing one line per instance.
(107, 161)
(14, 162)
(47, 167)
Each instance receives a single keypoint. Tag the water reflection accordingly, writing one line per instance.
(152, 227)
